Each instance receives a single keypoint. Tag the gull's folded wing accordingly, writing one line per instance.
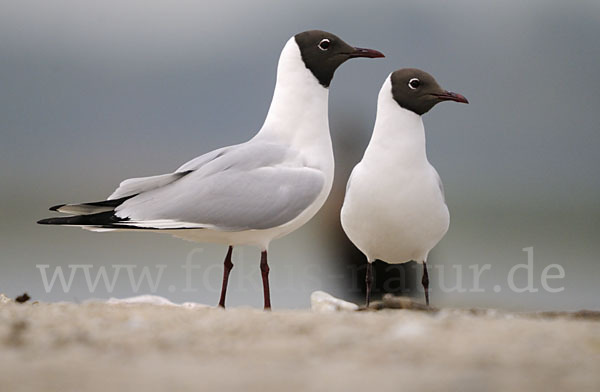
(252, 186)
(134, 186)
(255, 185)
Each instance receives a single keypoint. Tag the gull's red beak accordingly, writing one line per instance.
(450, 96)
(370, 53)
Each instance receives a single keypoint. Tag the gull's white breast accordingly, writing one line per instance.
(395, 217)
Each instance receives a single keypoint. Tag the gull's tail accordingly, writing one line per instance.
(91, 208)
(99, 215)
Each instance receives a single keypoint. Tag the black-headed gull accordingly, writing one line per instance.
(250, 193)
(394, 209)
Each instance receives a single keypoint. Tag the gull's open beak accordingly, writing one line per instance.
(450, 96)
(370, 53)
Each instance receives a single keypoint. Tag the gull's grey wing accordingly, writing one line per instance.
(134, 186)
(254, 185)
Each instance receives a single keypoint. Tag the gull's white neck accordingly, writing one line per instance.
(298, 115)
(398, 133)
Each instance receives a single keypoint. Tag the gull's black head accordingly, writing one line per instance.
(418, 91)
(323, 53)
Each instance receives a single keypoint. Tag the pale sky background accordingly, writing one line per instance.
(92, 93)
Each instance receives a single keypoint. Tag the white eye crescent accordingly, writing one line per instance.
(324, 44)
(414, 83)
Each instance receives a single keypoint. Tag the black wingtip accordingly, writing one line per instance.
(55, 208)
(101, 219)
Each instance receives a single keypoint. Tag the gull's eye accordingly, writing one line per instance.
(414, 83)
(324, 44)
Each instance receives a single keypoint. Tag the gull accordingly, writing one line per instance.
(394, 209)
(249, 193)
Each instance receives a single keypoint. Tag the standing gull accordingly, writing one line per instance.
(249, 193)
(394, 209)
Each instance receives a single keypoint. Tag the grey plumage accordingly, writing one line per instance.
(249, 186)
(254, 185)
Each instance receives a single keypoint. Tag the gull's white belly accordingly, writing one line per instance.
(395, 217)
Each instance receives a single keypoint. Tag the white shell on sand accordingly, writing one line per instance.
(4, 299)
(323, 302)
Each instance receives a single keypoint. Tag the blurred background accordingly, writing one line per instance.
(92, 93)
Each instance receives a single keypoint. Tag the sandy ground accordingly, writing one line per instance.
(141, 347)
